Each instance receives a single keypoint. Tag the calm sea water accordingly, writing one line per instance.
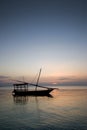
(67, 110)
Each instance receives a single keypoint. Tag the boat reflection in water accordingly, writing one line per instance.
(65, 111)
(20, 99)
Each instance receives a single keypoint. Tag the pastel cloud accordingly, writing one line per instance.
(4, 80)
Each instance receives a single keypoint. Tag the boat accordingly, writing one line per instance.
(22, 89)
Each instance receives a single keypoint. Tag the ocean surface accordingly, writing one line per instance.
(65, 110)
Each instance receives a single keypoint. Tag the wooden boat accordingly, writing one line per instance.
(21, 89)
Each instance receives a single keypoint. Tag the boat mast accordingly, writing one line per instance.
(38, 79)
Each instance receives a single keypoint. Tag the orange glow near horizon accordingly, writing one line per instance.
(54, 75)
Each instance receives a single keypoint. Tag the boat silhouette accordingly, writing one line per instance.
(21, 89)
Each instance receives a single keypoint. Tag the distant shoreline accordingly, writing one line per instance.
(60, 87)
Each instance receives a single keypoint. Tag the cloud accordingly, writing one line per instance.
(72, 80)
(68, 81)
(4, 80)
(74, 83)
(3, 77)
(63, 81)
(67, 78)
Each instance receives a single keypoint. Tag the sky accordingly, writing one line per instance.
(47, 34)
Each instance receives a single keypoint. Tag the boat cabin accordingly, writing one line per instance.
(21, 87)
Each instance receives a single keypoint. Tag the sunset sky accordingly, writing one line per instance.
(47, 34)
